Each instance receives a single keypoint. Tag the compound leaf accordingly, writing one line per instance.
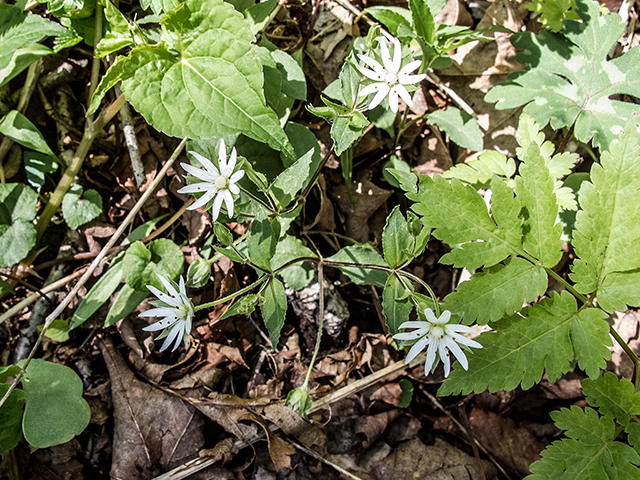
(614, 397)
(481, 170)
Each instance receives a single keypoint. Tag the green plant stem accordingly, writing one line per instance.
(568, 286)
(242, 291)
(270, 209)
(323, 162)
(631, 354)
(316, 349)
(401, 128)
(95, 66)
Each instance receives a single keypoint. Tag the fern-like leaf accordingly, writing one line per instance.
(614, 397)
(544, 337)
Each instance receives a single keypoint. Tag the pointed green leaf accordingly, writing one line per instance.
(293, 81)
(362, 255)
(481, 170)
(274, 309)
(391, 17)
(543, 337)
(298, 275)
(461, 127)
(607, 234)
(397, 241)
(258, 15)
(141, 264)
(17, 233)
(126, 302)
(347, 129)
(107, 82)
(287, 185)
(212, 87)
(568, 79)
(262, 241)
(11, 417)
(423, 23)
(497, 291)
(20, 129)
(612, 396)
(534, 187)
(244, 305)
(618, 290)
(396, 304)
(80, 207)
(55, 411)
(98, 295)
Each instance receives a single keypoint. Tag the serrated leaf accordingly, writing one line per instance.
(213, 87)
(286, 186)
(107, 82)
(55, 411)
(11, 417)
(159, 6)
(20, 129)
(117, 35)
(590, 453)
(126, 302)
(396, 304)
(17, 233)
(460, 218)
(98, 295)
(72, 8)
(534, 187)
(346, 130)
(497, 291)
(141, 264)
(19, 32)
(461, 127)
(612, 396)
(543, 338)
(618, 290)
(607, 234)
(568, 78)
(274, 309)
(481, 170)
(397, 241)
(79, 208)
(363, 255)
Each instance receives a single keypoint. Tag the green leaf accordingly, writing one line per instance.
(274, 309)
(11, 417)
(126, 302)
(497, 291)
(230, 254)
(199, 273)
(223, 233)
(568, 79)
(55, 411)
(57, 331)
(6, 287)
(159, 6)
(391, 17)
(299, 275)
(294, 83)
(543, 337)
(286, 186)
(73, 8)
(480, 171)
(79, 208)
(141, 264)
(397, 241)
(98, 295)
(349, 83)
(396, 303)
(346, 130)
(117, 36)
(363, 255)
(552, 12)
(17, 211)
(460, 218)
(212, 87)
(618, 290)
(36, 165)
(262, 241)
(423, 23)
(589, 453)
(242, 306)
(19, 33)
(258, 15)
(107, 82)
(607, 234)
(20, 129)
(614, 397)
(534, 187)
(8, 371)
(407, 392)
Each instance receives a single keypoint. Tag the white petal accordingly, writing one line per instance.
(236, 176)
(456, 327)
(228, 170)
(397, 56)
(369, 89)
(457, 351)
(416, 349)
(158, 312)
(386, 56)
(198, 188)
(411, 79)
(442, 350)
(414, 324)
(416, 334)
(467, 341)
(215, 210)
(175, 331)
(183, 289)
(233, 188)
(445, 317)
(431, 316)
(162, 296)
(373, 63)
(173, 293)
(161, 324)
(228, 200)
(431, 357)
(203, 200)
(400, 90)
(410, 67)
(380, 96)
(393, 100)
(206, 163)
(222, 154)
(201, 174)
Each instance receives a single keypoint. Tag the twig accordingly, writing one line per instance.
(132, 141)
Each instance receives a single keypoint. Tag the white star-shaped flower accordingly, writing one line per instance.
(438, 337)
(177, 310)
(389, 79)
(220, 184)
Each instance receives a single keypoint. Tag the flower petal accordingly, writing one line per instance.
(215, 210)
(236, 176)
(457, 351)
(203, 200)
(199, 173)
(431, 357)
(199, 187)
(206, 163)
(445, 317)
(414, 324)
(431, 316)
(410, 67)
(466, 341)
(160, 324)
(228, 170)
(380, 96)
(228, 201)
(393, 100)
(171, 337)
(233, 188)
(400, 90)
(416, 349)
(411, 79)
(222, 154)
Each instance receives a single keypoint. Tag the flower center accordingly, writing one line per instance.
(221, 182)
(391, 79)
(437, 331)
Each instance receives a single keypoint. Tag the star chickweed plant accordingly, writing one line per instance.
(389, 78)
(219, 185)
(437, 336)
(176, 308)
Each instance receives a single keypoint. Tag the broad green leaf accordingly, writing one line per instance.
(79, 208)
(397, 241)
(614, 397)
(461, 127)
(6, 287)
(391, 17)
(300, 274)
(423, 23)
(159, 6)
(396, 303)
(73, 8)
(618, 290)
(258, 15)
(206, 81)
(36, 165)
(349, 84)
(347, 129)
(262, 241)
(497, 291)
(19, 33)
(287, 185)
(11, 417)
(274, 309)
(543, 338)
(303, 140)
(607, 234)
(98, 295)
(8, 371)
(57, 331)
(293, 81)
(230, 254)
(20, 129)
(534, 187)
(362, 255)
(480, 171)
(589, 453)
(223, 234)
(568, 78)
(553, 12)
(407, 393)
(17, 211)
(117, 35)
(244, 305)
(460, 218)
(55, 411)
(199, 273)
(141, 264)
(126, 302)
(107, 82)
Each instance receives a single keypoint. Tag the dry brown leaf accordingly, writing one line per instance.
(145, 442)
